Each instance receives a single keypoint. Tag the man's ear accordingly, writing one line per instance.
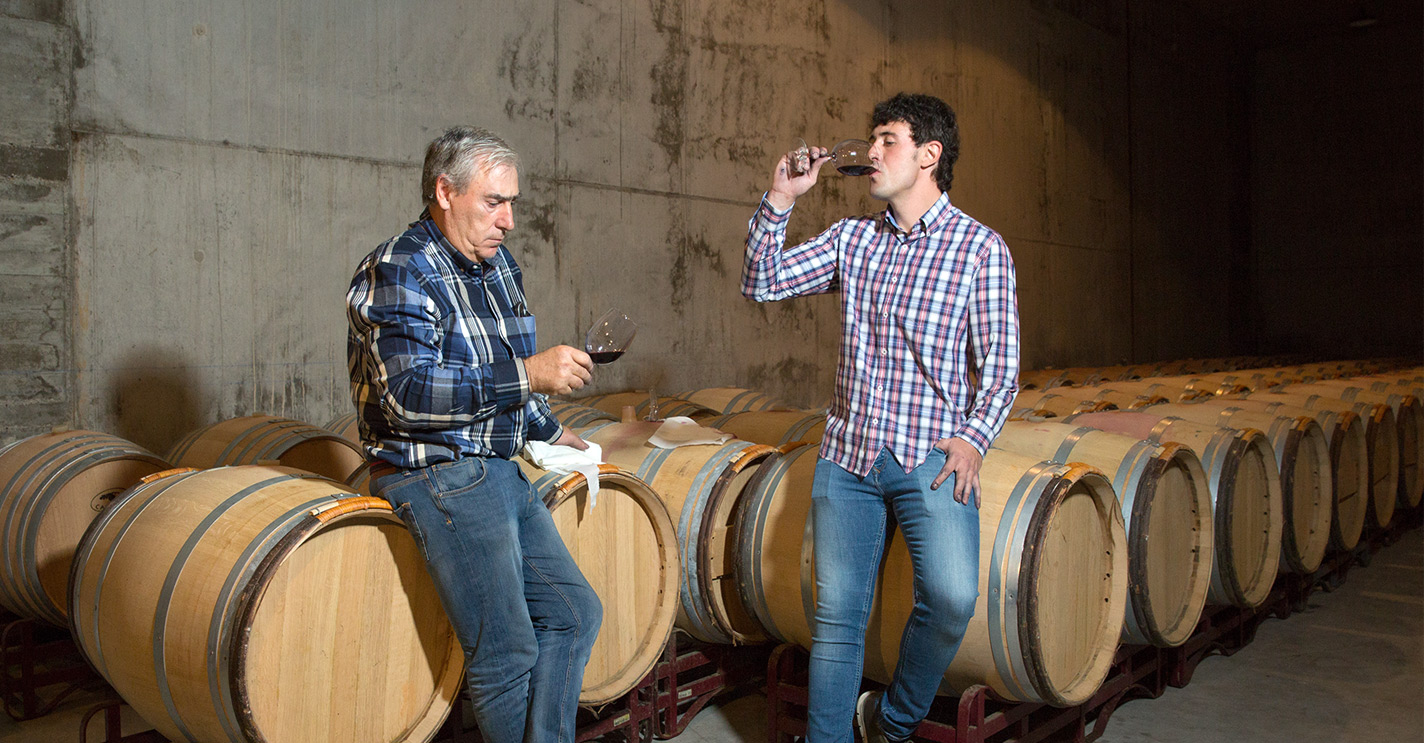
(443, 191)
(929, 156)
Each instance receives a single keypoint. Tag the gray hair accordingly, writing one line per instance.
(460, 153)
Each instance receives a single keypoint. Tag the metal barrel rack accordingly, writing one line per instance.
(685, 679)
(980, 716)
(39, 667)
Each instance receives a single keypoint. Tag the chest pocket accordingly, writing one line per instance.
(520, 325)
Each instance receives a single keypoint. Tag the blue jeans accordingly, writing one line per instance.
(524, 614)
(851, 518)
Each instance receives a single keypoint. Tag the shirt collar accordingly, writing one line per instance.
(425, 222)
(932, 220)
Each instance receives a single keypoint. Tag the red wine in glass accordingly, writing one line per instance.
(609, 337)
(850, 156)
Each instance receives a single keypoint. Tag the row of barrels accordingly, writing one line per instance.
(1373, 426)
(197, 589)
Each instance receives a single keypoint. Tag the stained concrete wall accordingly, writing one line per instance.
(35, 384)
(1338, 191)
(218, 168)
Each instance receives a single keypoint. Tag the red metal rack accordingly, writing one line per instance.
(688, 676)
(979, 716)
(39, 668)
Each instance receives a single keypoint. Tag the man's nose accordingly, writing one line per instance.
(504, 219)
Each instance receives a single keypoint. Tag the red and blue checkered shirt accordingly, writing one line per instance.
(913, 304)
(436, 348)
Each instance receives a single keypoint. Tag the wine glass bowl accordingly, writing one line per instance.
(609, 337)
(852, 157)
(849, 156)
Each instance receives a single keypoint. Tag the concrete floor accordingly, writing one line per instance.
(1350, 669)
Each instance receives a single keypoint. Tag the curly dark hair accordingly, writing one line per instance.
(930, 120)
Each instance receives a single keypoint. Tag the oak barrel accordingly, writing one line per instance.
(1245, 495)
(733, 399)
(264, 439)
(701, 486)
(626, 547)
(51, 487)
(1303, 459)
(772, 427)
(1166, 510)
(257, 603)
(1052, 577)
(1381, 442)
(346, 426)
(1349, 461)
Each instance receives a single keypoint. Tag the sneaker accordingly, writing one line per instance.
(867, 717)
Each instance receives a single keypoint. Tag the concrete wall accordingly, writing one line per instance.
(36, 390)
(1338, 192)
(196, 180)
(1190, 127)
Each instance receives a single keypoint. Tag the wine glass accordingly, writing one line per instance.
(850, 156)
(609, 337)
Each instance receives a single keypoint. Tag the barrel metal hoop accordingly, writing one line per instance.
(808, 569)
(1003, 584)
(170, 583)
(1070, 442)
(752, 595)
(257, 435)
(50, 489)
(731, 406)
(221, 626)
(798, 431)
(1148, 462)
(99, 584)
(703, 491)
(44, 458)
(1229, 451)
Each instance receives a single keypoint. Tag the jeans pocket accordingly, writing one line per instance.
(454, 479)
(404, 512)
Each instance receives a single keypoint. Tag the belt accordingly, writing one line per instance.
(381, 468)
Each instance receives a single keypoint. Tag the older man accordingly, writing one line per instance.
(448, 388)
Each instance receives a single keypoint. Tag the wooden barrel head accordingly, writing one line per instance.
(626, 547)
(256, 439)
(264, 603)
(52, 487)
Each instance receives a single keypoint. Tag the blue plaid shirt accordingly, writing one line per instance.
(435, 349)
(913, 299)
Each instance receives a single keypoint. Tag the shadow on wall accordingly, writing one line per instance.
(154, 398)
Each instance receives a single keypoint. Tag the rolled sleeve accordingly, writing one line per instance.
(773, 272)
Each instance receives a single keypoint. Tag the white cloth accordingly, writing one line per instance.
(566, 459)
(681, 431)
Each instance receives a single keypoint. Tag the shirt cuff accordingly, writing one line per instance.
(510, 381)
(547, 430)
(975, 437)
(770, 213)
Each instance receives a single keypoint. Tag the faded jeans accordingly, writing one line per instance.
(851, 518)
(523, 612)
